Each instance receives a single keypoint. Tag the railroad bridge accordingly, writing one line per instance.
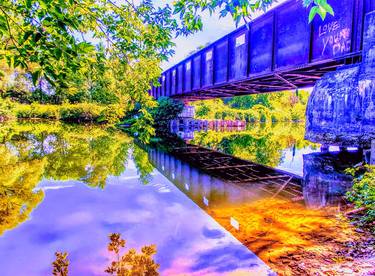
(282, 51)
(277, 51)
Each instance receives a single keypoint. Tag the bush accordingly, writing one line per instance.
(363, 192)
(81, 112)
(111, 114)
(251, 116)
(202, 111)
(6, 110)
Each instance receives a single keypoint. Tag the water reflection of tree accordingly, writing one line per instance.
(88, 159)
(30, 152)
(18, 178)
(142, 163)
(128, 263)
(261, 143)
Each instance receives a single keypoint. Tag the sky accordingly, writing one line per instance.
(213, 29)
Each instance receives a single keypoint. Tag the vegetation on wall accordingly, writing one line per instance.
(272, 107)
(363, 192)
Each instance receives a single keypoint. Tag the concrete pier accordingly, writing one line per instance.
(341, 108)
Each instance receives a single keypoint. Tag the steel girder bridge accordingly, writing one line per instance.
(277, 51)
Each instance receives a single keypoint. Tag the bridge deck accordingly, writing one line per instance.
(276, 51)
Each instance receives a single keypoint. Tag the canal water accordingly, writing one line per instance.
(65, 188)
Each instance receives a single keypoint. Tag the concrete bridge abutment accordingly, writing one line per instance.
(341, 108)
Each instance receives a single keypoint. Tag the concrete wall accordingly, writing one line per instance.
(341, 108)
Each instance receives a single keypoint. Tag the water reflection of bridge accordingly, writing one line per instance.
(271, 212)
(208, 176)
(223, 176)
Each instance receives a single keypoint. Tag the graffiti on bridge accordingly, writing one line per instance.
(336, 39)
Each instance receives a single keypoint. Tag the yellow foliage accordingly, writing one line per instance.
(18, 179)
(80, 112)
(281, 107)
(30, 152)
(260, 142)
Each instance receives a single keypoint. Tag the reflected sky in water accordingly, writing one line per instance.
(77, 211)
(66, 188)
(77, 219)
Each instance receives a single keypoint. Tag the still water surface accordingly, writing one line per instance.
(65, 188)
(280, 145)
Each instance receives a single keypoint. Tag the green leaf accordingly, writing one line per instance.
(26, 36)
(327, 7)
(85, 47)
(35, 76)
(28, 4)
(322, 12)
(306, 3)
(58, 53)
(314, 10)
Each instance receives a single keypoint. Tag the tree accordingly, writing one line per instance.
(53, 34)
(102, 51)
(190, 10)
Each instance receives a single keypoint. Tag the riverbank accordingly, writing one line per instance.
(350, 252)
(294, 240)
(79, 112)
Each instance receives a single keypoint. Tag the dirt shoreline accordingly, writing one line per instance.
(293, 240)
(355, 257)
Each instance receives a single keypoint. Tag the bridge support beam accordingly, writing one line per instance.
(341, 108)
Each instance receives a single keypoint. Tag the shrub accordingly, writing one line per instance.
(45, 111)
(6, 110)
(81, 112)
(202, 111)
(251, 116)
(273, 118)
(111, 114)
(362, 193)
(24, 111)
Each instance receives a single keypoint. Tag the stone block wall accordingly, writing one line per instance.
(341, 108)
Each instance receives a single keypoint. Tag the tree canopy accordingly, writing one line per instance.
(190, 10)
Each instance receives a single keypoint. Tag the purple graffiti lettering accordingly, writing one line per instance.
(339, 41)
(328, 28)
